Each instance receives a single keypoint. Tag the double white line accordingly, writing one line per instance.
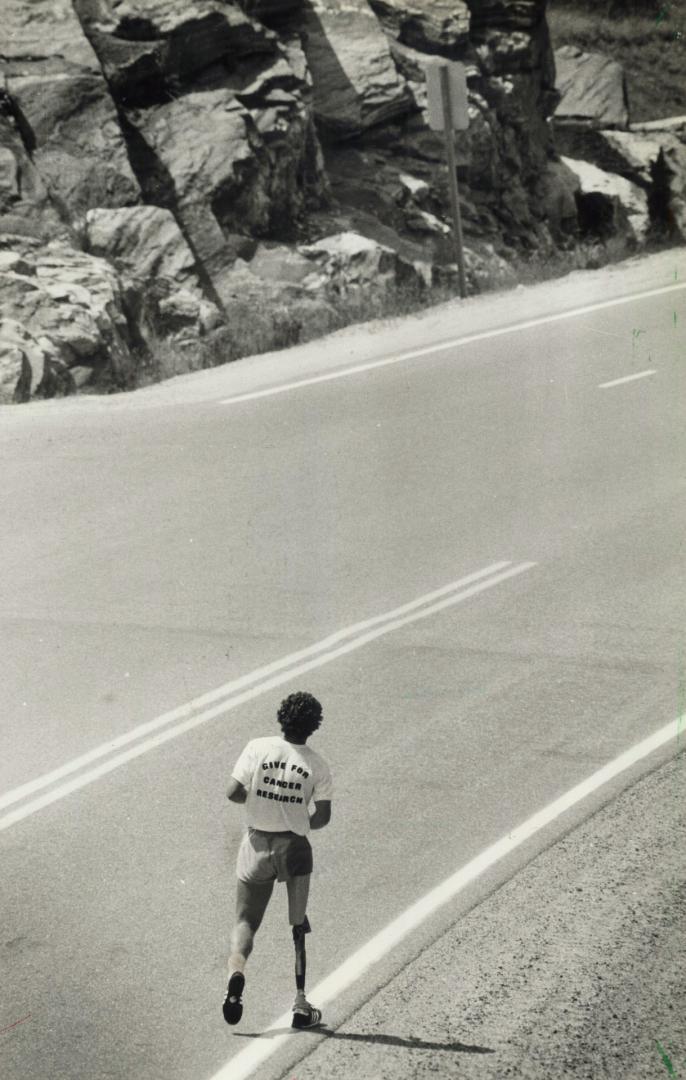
(54, 786)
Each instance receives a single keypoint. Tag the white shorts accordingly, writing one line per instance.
(276, 856)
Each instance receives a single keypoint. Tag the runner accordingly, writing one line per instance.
(277, 777)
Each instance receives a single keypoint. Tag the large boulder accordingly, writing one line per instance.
(348, 264)
(592, 89)
(63, 109)
(76, 301)
(652, 157)
(339, 266)
(609, 205)
(356, 83)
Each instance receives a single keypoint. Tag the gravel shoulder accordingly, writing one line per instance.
(574, 968)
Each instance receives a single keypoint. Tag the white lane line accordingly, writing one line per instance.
(391, 621)
(627, 378)
(455, 343)
(245, 1062)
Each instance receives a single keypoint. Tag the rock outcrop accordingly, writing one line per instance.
(217, 114)
(201, 179)
(78, 317)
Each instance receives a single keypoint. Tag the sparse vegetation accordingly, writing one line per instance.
(167, 357)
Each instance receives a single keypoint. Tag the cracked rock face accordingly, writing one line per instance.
(356, 83)
(151, 49)
(217, 117)
(25, 206)
(63, 109)
(144, 239)
(73, 315)
(66, 307)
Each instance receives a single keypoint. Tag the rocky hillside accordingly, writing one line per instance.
(186, 181)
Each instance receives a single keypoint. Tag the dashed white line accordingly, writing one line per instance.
(231, 695)
(245, 1062)
(627, 378)
(455, 343)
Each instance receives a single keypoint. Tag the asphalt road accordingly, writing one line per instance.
(162, 545)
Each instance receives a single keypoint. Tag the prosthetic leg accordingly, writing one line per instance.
(304, 1014)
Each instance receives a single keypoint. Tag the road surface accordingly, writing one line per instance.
(463, 533)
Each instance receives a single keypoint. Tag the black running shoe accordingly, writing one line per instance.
(233, 1006)
(306, 1016)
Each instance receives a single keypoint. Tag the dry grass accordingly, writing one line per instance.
(166, 357)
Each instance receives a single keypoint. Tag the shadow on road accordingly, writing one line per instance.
(384, 1040)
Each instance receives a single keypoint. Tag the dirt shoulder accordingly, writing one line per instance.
(573, 969)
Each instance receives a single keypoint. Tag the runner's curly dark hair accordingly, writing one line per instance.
(299, 714)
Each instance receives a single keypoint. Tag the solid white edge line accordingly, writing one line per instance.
(181, 711)
(627, 378)
(112, 763)
(244, 1063)
(454, 343)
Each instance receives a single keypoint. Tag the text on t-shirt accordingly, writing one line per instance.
(269, 781)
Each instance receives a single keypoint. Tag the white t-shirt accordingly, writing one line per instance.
(281, 779)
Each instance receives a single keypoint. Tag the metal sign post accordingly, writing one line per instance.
(447, 93)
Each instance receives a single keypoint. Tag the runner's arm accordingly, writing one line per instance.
(322, 814)
(236, 792)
